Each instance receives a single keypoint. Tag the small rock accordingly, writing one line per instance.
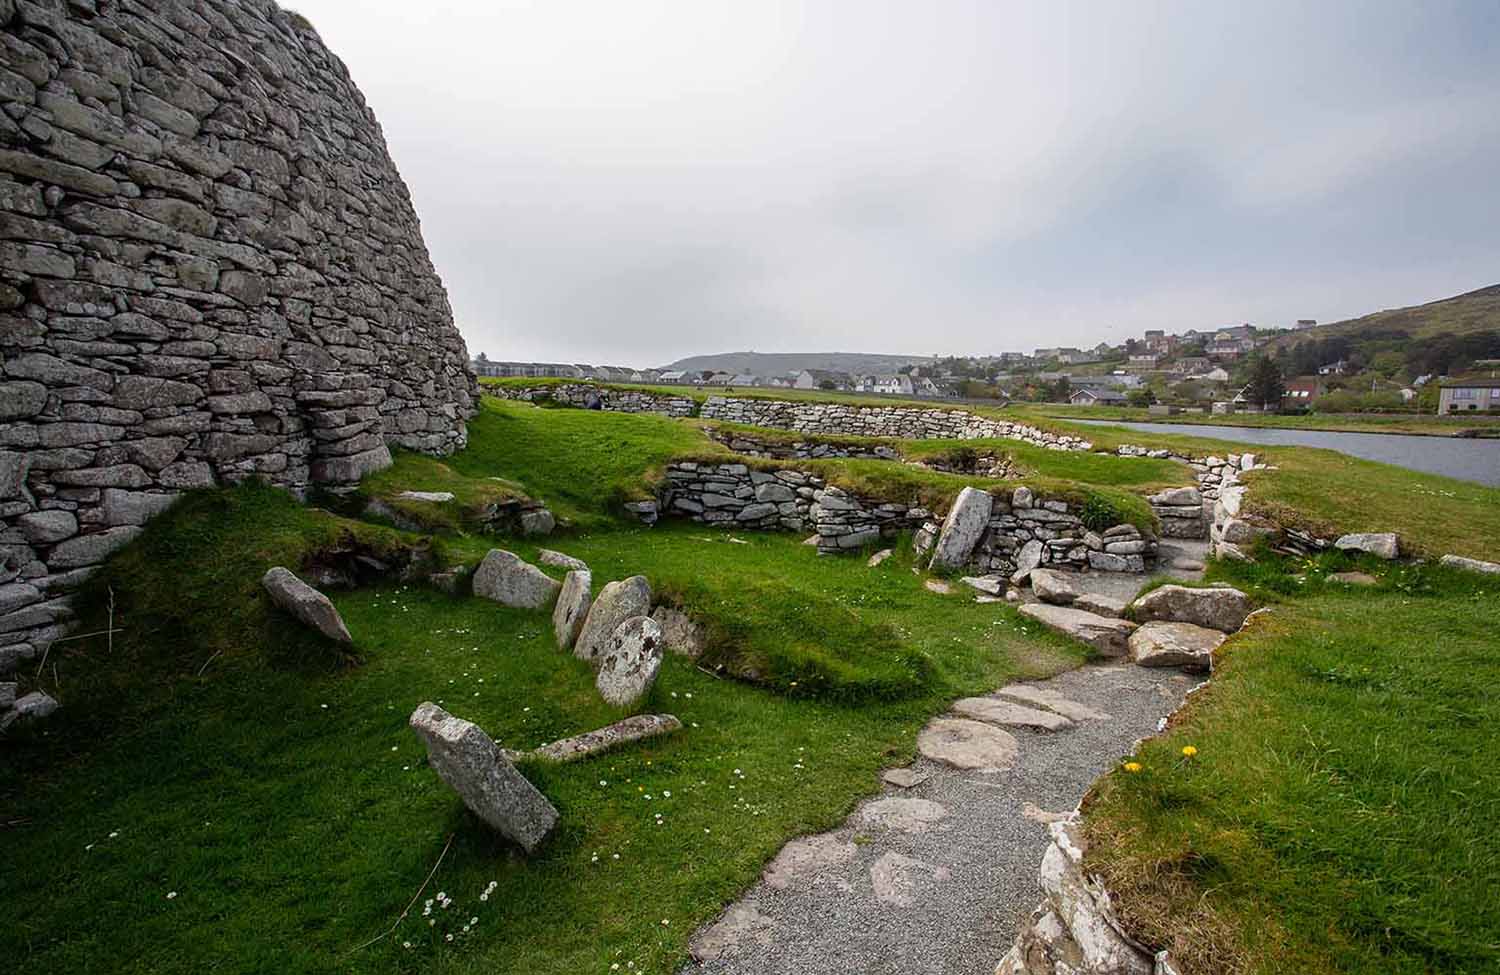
(436, 497)
(1470, 565)
(1057, 588)
(966, 744)
(508, 580)
(1165, 644)
(990, 585)
(1027, 559)
(938, 586)
(904, 778)
(306, 603)
(468, 759)
(1353, 578)
(630, 662)
(32, 707)
(880, 557)
(1218, 607)
(537, 521)
(678, 631)
(590, 743)
(572, 607)
(1385, 545)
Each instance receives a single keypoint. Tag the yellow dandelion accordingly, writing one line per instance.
(1132, 766)
(1188, 751)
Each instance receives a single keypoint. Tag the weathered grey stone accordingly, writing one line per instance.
(537, 521)
(967, 744)
(134, 507)
(508, 580)
(1216, 607)
(7, 694)
(1385, 545)
(1470, 565)
(997, 711)
(902, 815)
(630, 661)
(1100, 604)
(1108, 636)
(548, 557)
(904, 778)
(879, 557)
(990, 585)
(898, 880)
(966, 522)
(32, 707)
(807, 860)
(635, 728)
(91, 549)
(1178, 496)
(470, 762)
(741, 928)
(572, 607)
(305, 603)
(1164, 644)
(47, 527)
(15, 595)
(679, 633)
(1052, 586)
(616, 603)
(1353, 578)
(1027, 560)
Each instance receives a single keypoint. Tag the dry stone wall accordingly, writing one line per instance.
(209, 269)
(590, 397)
(907, 423)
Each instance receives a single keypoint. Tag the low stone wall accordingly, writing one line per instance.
(751, 446)
(588, 396)
(734, 495)
(908, 423)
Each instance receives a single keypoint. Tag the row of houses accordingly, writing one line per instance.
(563, 370)
(898, 384)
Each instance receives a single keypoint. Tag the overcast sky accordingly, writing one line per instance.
(628, 182)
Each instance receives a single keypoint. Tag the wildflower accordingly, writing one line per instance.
(406, 944)
(1132, 766)
(666, 794)
(665, 922)
(448, 937)
(473, 921)
(1188, 751)
(171, 895)
(603, 782)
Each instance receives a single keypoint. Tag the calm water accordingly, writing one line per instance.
(1468, 460)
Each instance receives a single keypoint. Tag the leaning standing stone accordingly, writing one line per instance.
(305, 603)
(572, 607)
(506, 579)
(966, 521)
(468, 759)
(631, 661)
(616, 603)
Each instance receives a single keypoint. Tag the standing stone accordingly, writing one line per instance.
(572, 607)
(966, 522)
(1217, 607)
(1027, 560)
(630, 662)
(616, 603)
(468, 759)
(306, 603)
(506, 579)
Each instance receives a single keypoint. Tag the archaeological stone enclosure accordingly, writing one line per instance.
(210, 269)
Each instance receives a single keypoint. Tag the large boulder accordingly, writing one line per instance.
(630, 662)
(1163, 644)
(572, 607)
(616, 603)
(305, 603)
(966, 522)
(1218, 607)
(508, 580)
(1057, 588)
(1385, 545)
(468, 759)
(1108, 636)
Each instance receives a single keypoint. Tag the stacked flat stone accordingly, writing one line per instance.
(904, 422)
(209, 270)
(734, 495)
(590, 396)
(750, 446)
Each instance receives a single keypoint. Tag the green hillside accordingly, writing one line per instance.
(1473, 311)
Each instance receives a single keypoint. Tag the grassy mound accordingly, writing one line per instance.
(1337, 815)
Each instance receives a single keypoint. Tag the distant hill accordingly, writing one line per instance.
(1474, 311)
(781, 363)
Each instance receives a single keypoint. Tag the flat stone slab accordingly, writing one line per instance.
(904, 778)
(1105, 634)
(635, 728)
(805, 861)
(1050, 700)
(1470, 565)
(996, 711)
(631, 661)
(938, 586)
(1166, 644)
(1217, 607)
(1100, 604)
(902, 881)
(989, 585)
(561, 560)
(742, 927)
(467, 758)
(1354, 579)
(901, 814)
(304, 602)
(436, 497)
(967, 744)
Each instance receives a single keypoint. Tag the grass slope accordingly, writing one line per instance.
(1473, 311)
(1338, 816)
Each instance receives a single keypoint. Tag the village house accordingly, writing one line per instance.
(1471, 394)
(1097, 396)
(1302, 392)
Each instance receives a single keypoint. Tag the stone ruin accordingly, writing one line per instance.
(209, 270)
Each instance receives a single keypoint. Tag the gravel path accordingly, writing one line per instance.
(937, 877)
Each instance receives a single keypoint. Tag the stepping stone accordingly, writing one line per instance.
(1163, 644)
(1050, 700)
(993, 710)
(1105, 634)
(904, 778)
(1057, 588)
(938, 586)
(902, 881)
(1217, 607)
(966, 744)
(1100, 604)
(562, 561)
(804, 861)
(1354, 579)
(741, 927)
(901, 814)
(880, 557)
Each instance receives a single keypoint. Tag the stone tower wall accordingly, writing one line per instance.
(209, 270)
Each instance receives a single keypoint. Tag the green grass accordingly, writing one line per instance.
(1339, 814)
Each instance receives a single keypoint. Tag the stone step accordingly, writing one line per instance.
(1009, 714)
(1105, 634)
(1049, 700)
